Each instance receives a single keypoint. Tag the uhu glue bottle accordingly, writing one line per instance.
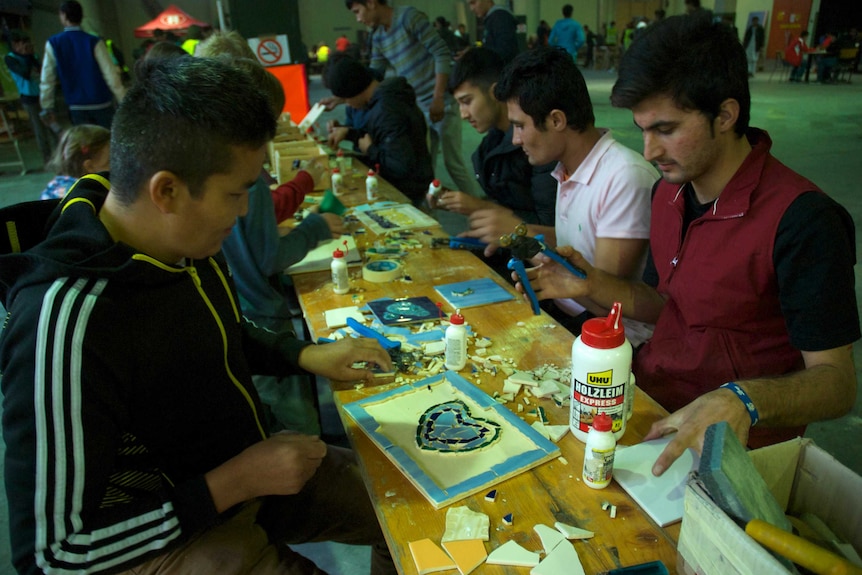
(337, 181)
(434, 191)
(340, 278)
(601, 366)
(371, 186)
(456, 342)
(599, 453)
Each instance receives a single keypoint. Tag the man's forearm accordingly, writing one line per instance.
(825, 389)
(642, 302)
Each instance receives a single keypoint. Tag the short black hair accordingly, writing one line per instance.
(350, 3)
(567, 11)
(695, 61)
(482, 67)
(185, 115)
(545, 79)
(73, 11)
(18, 36)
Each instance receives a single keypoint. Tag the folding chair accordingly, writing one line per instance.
(779, 65)
(846, 64)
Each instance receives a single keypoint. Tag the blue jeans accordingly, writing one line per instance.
(102, 117)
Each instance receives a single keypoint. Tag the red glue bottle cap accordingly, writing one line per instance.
(371, 172)
(338, 254)
(603, 422)
(340, 153)
(605, 333)
(336, 171)
(456, 318)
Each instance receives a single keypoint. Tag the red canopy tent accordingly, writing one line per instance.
(172, 19)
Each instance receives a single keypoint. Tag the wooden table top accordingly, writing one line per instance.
(548, 493)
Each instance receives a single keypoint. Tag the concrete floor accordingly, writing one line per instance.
(816, 130)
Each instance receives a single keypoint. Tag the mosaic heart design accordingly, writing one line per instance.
(451, 428)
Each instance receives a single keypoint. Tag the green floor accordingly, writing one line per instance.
(816, 130)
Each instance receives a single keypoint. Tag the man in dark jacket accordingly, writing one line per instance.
(394, 132)
(753, 44)
(518, 192)
(26, 69)
(132, 427)
(498, 28)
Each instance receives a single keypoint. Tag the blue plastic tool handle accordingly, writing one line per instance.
(470, 243)
(366, 331)
(517, 266)
(652, 568)
(577, 272)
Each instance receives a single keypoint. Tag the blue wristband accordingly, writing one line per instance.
(746, 401)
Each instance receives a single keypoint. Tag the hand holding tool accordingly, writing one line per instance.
(523, 248)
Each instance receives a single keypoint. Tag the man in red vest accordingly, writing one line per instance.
(750, 279)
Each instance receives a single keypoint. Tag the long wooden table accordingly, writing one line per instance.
(549, 493)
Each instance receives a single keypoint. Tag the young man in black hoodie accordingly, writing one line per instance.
(394, 134)
(132, 426)
(517, 191)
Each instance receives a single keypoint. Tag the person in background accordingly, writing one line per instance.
(342, 44)
(87, 76)
(794, 55)
(611, 35)
(753, 41)
(543, 32)
(517, 191)
(603, 187)
(463, 36)
(165, 50)
(769, 349)
(231, 43)
(395, 132)
(258, 254)
(568, 33)
(26, 70)
(441, 24)
(405, 40)
(322, 53)
(499, 28)
(130, 418)
(118, 59)
(692, 7)
(83, 149)
(591, 38)
(194, 35)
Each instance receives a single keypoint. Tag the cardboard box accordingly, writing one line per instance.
(283, 162)
(803, 478)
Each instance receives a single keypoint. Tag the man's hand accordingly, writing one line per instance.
(336, 135)
(365, 143)
(335, 360)
(460, 202)
(691, 422)
(280, 465)
(437, 109)
(335, 223)
(550, 280)
(331, 102)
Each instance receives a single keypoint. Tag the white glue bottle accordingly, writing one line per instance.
(599, 453)
(456, 342)
(337, 180)
(371, 186)
(601, 367)
(434, 191)
(340, 278)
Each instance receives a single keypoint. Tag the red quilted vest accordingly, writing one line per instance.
(722, 320)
